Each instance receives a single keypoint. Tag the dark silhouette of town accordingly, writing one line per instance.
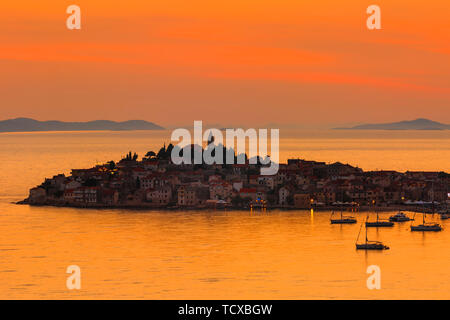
(156, 182)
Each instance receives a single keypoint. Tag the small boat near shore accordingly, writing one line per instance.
(372, 245)
(444, 213)
(400, 217)
(369, 245)
(379, 223)
(426, 226)
(342, 220)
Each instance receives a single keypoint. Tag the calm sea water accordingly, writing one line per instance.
(227, 255)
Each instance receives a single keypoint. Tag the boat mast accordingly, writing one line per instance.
(359, 233)
(432, 196)
(366, 233)
(423, 213)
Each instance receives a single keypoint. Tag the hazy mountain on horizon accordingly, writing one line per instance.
(417, 124)
(31, 125)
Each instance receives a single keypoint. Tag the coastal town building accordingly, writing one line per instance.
(302, 200)
(161, 196)
(302, 184)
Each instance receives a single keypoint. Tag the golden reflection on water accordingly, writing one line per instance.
(220, 254)
(193, 255)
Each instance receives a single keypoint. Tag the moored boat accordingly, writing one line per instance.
(372, 245)
(369, 245)
(342, 220)
(379, 223)
(400, 217)
(426, 226)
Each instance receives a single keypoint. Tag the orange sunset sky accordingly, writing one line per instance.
(231, 62)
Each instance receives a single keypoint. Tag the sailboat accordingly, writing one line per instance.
(370, 245)
(379, 223)
(430, 226)
(426, 226)
(342, 220)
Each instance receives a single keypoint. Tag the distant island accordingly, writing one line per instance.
(418, 124)
(31, 125)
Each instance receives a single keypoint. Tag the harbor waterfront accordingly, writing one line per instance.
(211, 254)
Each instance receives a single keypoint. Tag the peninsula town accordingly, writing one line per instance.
(156, 182)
